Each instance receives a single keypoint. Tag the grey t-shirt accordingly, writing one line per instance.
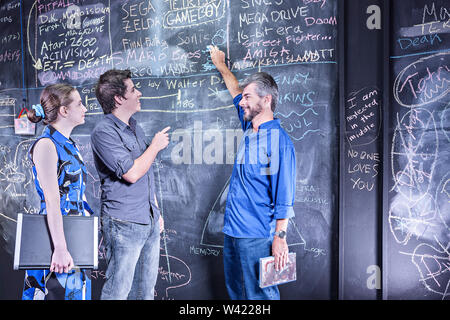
(115, 146)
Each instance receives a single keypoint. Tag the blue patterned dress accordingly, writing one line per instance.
(72, 173)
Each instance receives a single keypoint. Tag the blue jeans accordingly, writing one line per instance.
(132, 254)
(241, 264)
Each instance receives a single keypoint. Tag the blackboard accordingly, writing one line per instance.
(361, 157)
(14, 168)
(164, 43)
(417, 215)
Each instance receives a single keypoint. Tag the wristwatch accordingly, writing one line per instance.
(281, 234)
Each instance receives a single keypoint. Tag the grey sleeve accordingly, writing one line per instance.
(114, 154)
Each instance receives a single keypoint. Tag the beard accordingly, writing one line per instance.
(252, 112)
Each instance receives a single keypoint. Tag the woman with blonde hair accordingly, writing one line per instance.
(60, 179)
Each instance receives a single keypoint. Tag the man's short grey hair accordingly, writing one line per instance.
(265, 85)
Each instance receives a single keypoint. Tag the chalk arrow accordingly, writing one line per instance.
(215, 92)
(38, 64)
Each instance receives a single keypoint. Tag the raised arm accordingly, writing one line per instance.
(117, 158)
(142, 164)
(218, 58)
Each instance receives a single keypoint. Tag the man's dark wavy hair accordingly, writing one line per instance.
(109, 85)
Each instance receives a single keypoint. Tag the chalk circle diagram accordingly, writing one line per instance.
(420, 69)
(408, 219)
(413, 159)
(363, 113)
(212, 231)
(414, 152)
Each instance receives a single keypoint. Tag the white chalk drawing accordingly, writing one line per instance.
(212, 235)
(421, 82)
(443, 200)
(15, 169)
(419, 209)
(171, 279)
(445, 120)
(433, 264)
(414, 152)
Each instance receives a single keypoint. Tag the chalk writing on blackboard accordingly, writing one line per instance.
(424, 81)
(419, 195)
(164, 44)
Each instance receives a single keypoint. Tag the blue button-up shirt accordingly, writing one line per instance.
(262, 185)
(115, 146)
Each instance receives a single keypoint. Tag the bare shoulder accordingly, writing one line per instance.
(44, 144)
(44, 149)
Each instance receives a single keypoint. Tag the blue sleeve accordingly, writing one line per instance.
(108, 146)
(283, 182)
(245, 124)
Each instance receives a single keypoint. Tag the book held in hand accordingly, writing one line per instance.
(268, 276)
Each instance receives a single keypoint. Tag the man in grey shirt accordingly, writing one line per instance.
(131, 222)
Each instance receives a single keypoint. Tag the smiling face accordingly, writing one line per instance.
(251, 102)
(130, 100)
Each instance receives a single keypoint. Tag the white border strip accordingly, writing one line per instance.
(18, 241)
(95, 243)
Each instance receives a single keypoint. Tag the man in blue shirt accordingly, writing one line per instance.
(262, 186)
